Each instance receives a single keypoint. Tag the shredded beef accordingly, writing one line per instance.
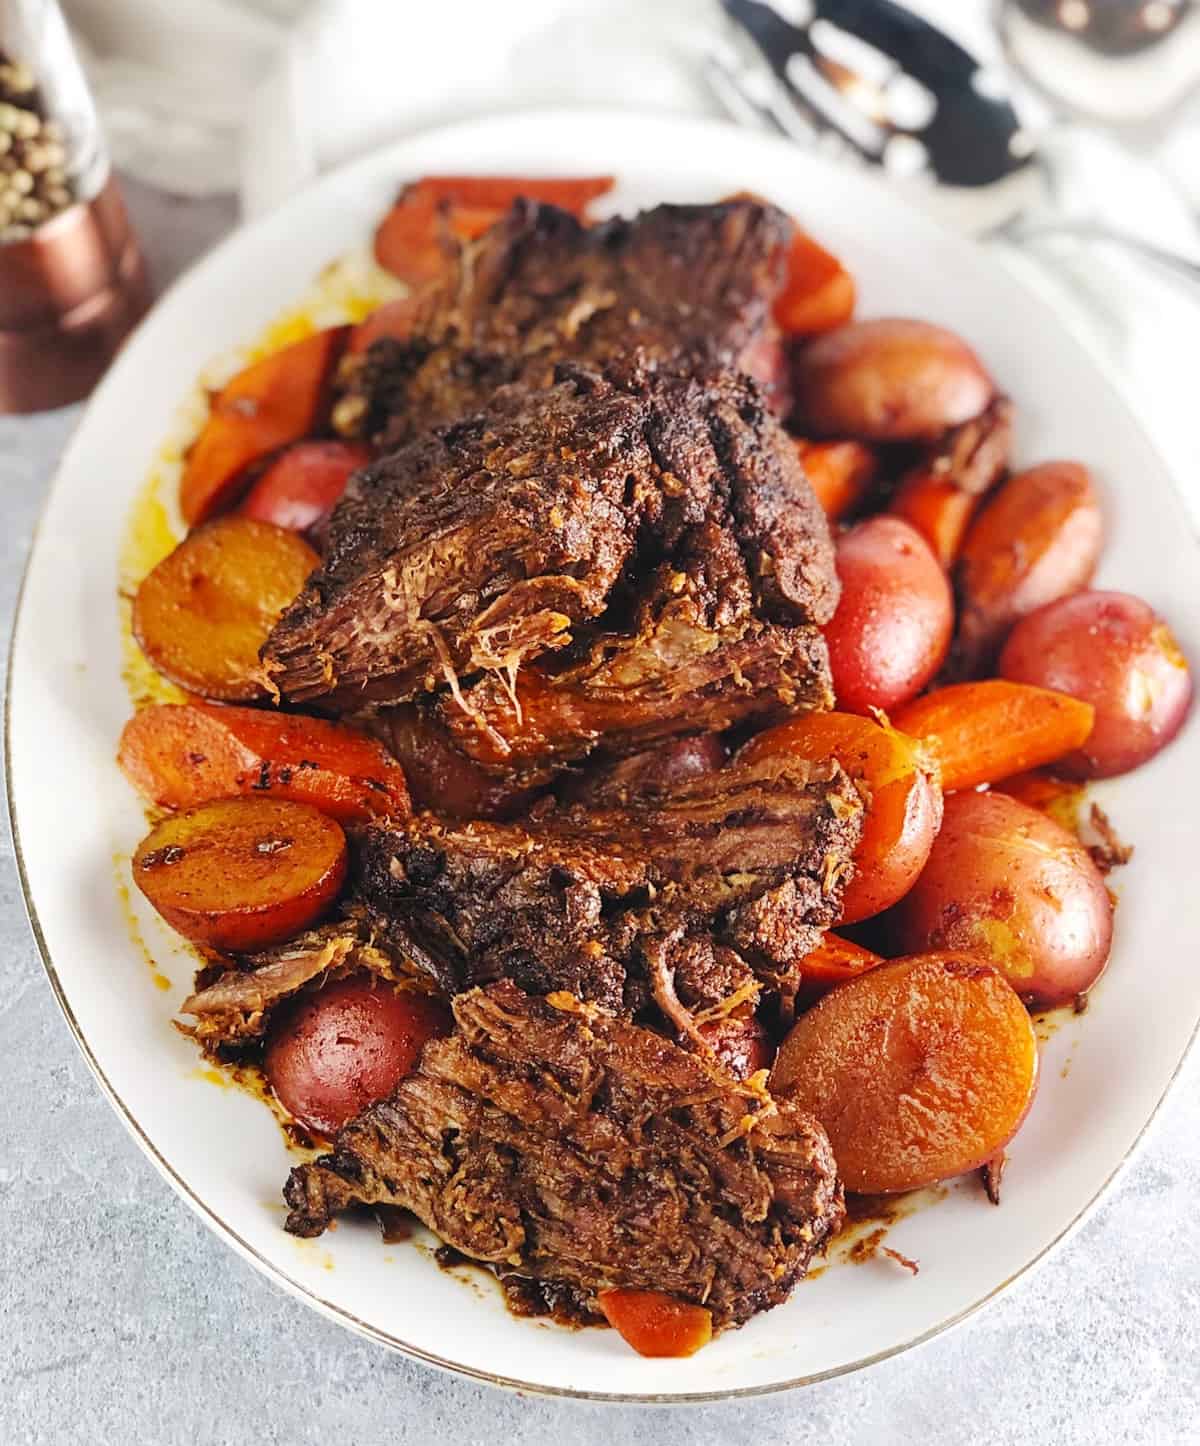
(551, 1140)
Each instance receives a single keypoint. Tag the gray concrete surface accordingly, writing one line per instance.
(122, 1320)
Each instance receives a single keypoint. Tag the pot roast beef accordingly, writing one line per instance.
(668, 889)
(693, 898)
(609, 560)
(548, 1139)
(689, 287)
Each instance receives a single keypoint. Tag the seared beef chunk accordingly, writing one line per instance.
(652, 541)
(547, 1138)
(618, 903)
(233, 1006)
(690, 287)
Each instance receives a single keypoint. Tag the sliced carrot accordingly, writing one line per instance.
(840, 473)
(819, 293)
(904, 804)
(414, 240)
(242, 874)
(656, 1324)
(985, 731)
(940, 511)
(834, 961)
(204, 612)
(180, 755)
(278, 400)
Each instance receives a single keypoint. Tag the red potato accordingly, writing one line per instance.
(275, 402)
(1036, 540)
(302, 485)
(1005, 879)
(242, 874)
(904, 804)
(891, 631)
(332, 1053)
(395, 320)
(888, 381)
(180, 755)
(920, 1070)
(1114, 652)
(204, 612)
(656, 1324)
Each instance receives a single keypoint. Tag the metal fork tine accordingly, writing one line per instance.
(732, 94)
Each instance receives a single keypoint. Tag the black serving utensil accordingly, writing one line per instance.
(902, 93)
(888, 87)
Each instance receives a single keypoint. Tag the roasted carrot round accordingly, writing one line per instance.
(180, 754)
(274, 402)
(243, 873)
(921, 1069)
(983, 732)
(904, 804)
(656, 1324)
(203, 613)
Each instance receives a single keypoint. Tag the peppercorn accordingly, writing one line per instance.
(34, 182)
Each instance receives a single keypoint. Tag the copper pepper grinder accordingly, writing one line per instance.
(72, 278)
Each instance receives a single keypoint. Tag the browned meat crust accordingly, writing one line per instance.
(234, 1005)
(612, 903)
(547, 1138)
(653, 541)
(689, 287)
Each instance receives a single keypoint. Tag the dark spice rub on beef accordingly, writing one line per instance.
(642, 555)
(689, 287)
(548, 1138)
(691, 900)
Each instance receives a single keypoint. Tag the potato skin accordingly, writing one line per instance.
(331, 1054)
(1037, 539)
(920, 1069)
(891, 631)
(890, 380)
(1004, 879)
(1113, 651)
